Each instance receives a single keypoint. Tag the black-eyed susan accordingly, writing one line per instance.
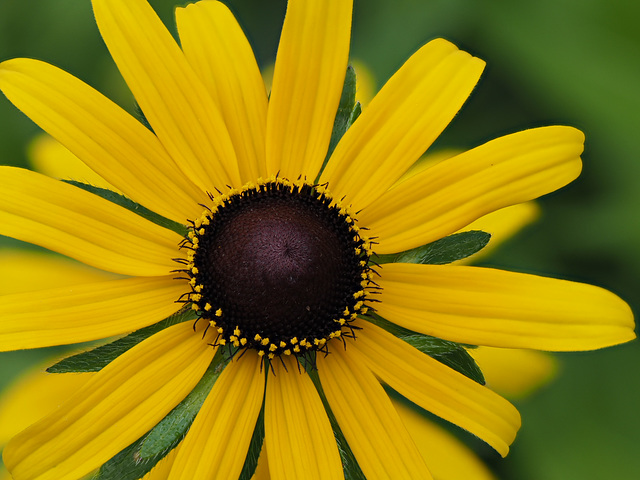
(273, 251)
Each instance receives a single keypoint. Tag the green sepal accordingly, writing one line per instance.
(451, 354)
(255, 446)
(132, 206)
(348, 111)
(126, 465)
(350, 465)
(445, 250)
(131, 463)
(97, 358)
(142, 117)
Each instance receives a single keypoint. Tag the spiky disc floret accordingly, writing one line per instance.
(278, 266)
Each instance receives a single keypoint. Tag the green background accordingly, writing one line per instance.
(572, 62)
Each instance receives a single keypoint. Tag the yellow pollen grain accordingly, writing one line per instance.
(282, 344)
(294, 340)
(220, 330)
(222, 341)
(264, 341)
(194, 270)
(197, 288)
(287, 352)
(271, 356)
(194, 307)
(207, 307)
(273, 347)
(257, 338)
(201, 231)
(236, 331)
(346, 312)
(243, 341)
(296, 349)
(260, 353)
(218, 312)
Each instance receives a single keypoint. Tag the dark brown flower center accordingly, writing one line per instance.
(279, 268)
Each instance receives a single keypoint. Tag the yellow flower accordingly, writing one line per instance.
(276, 262)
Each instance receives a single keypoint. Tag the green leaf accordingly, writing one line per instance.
(350, 465)
(130, 463)
(255, 447)
(452, 354)
(96, 359)
(172, 428)
(446, 250)
(127, 465)
(348, 111)
(132, 206)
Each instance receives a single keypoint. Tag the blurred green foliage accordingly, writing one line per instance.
(549, 62)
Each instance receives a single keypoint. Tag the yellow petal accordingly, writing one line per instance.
(34, 395)
(448, 458)
(217, 443)
(438, 388)
(174, 100)
(484, 306)
(401, 122)
(24, 270)
(220, 54)
(80, 313)
(380, 442)
(301, 441)
(428, 160)
(109, 140)
(76, 223)
(47, 155)
(113, 409)
(307, 84)
(448, 196)
(514, 373)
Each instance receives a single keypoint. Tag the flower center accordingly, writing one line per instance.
(278, 267)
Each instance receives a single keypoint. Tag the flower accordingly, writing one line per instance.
(277, 265)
